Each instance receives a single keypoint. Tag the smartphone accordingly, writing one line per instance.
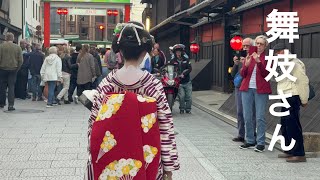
(253, 49)
(243, 53)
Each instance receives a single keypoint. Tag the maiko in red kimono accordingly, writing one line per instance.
(125, 139)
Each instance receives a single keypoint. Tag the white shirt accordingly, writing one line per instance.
(253, 83)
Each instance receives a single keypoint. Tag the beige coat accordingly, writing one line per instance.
(301, 86)
(86, 70)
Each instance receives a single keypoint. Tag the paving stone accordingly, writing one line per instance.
(34, 151)
(9, 173)
(18, 145)
(9, 158)
(51, 157)
(48, 172)
(60, 135)
(69, 163)
(58, 144)
(25, 164)
(80, 171)
(4, 151)
(71, 150)
(74, 139)
(39, 140)
(8, 141)
(26, 178)
(83, 156)
(65, 177)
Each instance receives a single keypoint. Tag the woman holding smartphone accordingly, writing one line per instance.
(255, 90)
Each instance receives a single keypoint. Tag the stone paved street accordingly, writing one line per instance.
(51, 145)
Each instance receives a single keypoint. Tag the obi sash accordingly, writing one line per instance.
(125, 138)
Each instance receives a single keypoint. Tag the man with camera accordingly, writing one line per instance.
(235, 73)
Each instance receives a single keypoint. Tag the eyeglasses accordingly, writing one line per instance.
(245, 45)
(258, 43)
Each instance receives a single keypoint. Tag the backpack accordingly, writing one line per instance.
(237, 80)
(112, 60)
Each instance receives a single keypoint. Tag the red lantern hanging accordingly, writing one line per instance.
(59, 11)
(115, 12)
(236, 43)
(194, 48)
(65, 11)
(109, 12)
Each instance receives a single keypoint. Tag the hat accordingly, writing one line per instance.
(279, 46)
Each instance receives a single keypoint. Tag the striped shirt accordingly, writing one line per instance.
(253, 82)
(152, 87)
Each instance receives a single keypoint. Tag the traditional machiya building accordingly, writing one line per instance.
(212, 23)
(9, 21)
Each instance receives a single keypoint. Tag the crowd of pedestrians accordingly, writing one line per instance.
(53, 74)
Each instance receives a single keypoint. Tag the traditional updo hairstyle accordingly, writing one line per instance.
(132, 41)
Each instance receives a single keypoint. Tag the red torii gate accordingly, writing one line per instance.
(47, 7)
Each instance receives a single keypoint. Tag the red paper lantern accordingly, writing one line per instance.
(65, 11)
(109, 12)
(59, 11)
(115, 12)
(194, 48)
(236, 43)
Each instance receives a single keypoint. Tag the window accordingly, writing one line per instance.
(36, 11)
(33, 9)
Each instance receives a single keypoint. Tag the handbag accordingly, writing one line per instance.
(237, 80)
(312, 94)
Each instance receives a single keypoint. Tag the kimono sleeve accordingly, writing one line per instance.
(102, 89)
(169, 153)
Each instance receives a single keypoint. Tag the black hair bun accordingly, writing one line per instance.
(129, 38)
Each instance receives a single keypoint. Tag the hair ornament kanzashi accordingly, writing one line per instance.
(122, 26)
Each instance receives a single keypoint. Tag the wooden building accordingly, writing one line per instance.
(212, 23)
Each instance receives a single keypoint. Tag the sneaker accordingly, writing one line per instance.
(40, 99)
(58, 102)
(238, 139)
(188, 112)
(49, 105)
(259, 148)
(11, 108)
(76, 100)
(66, 102)
(181, 111)
(247, 146)
(33, 98)
(55, 104)
(1, 106)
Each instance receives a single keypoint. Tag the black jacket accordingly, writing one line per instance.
(158, 65)
(182, 67)
(73, 65)
(36, 59)
(65, 64)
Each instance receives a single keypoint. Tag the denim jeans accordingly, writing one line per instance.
(36, 90)
(240, 119)
(51, 87)
(250, 98)
(185, 96)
